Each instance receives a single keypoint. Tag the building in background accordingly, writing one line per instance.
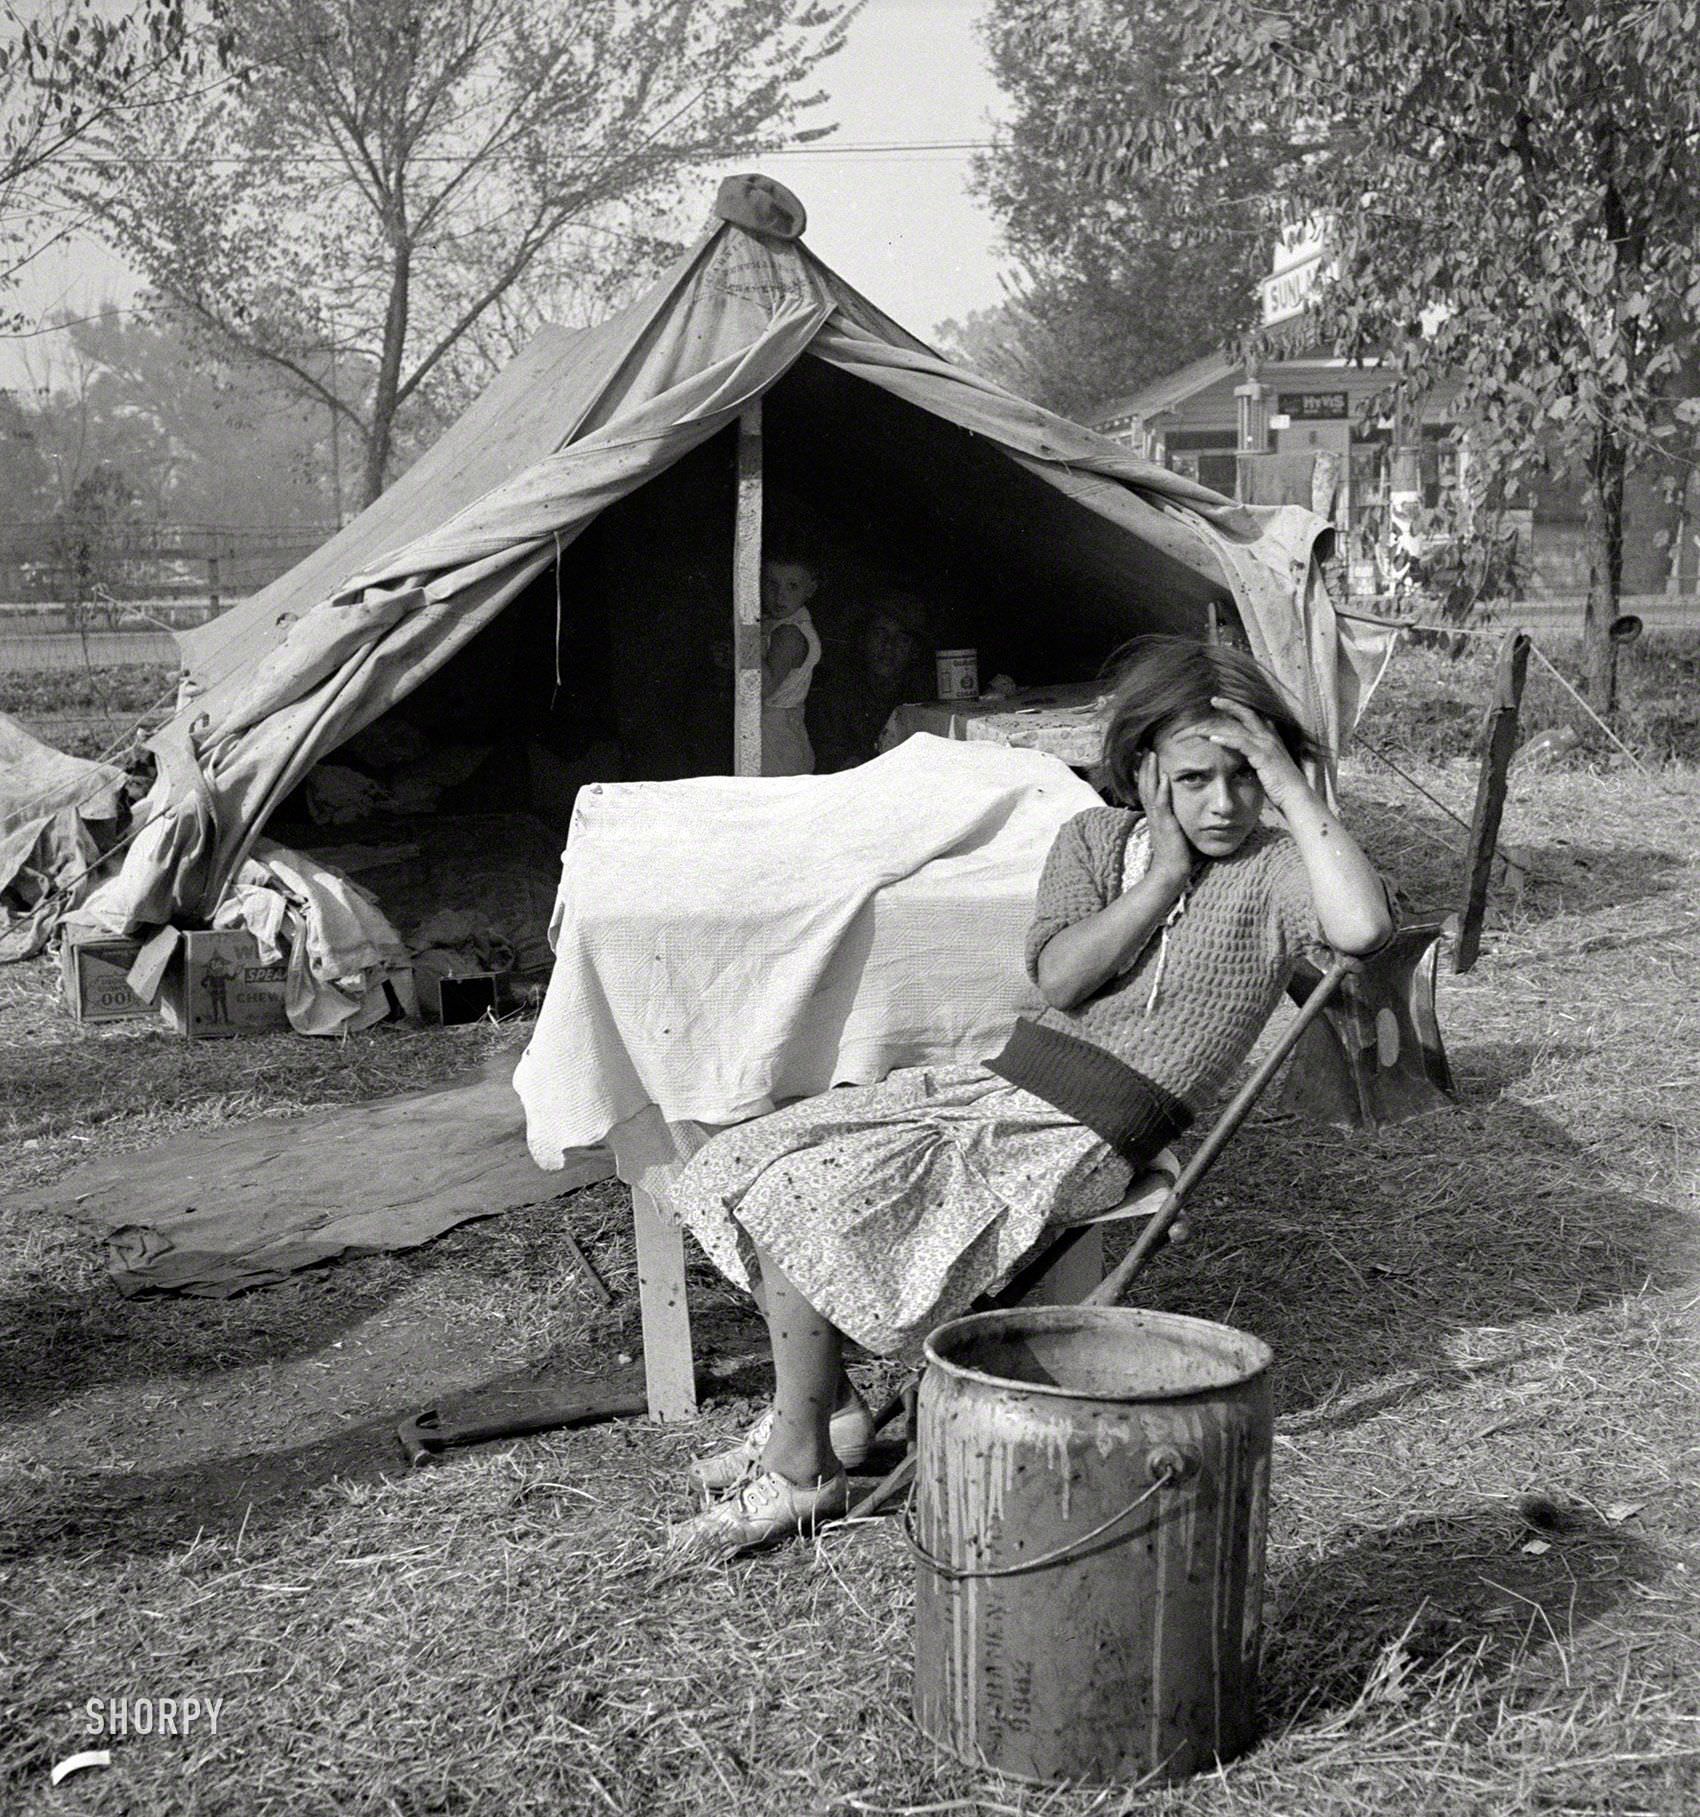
(1298, 430)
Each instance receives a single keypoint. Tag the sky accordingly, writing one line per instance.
(899, 224)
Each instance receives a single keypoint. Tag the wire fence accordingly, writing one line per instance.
(75, 573)
(1555, 615)
(89, 607)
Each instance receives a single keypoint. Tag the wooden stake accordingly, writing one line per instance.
(746, 597)
(1499, 740)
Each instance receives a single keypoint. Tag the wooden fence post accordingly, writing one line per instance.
(1499, 740)
(746, 597)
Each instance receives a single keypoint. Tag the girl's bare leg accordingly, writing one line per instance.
(808, 1371)
(845, 1395)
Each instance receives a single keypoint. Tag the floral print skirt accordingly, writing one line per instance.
(893, 1207)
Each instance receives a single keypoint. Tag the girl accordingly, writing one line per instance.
(1164, 935)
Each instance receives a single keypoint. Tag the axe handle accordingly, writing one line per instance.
(428, 1434)
(1114, 1284)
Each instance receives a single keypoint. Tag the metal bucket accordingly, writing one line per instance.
(1092, 1493)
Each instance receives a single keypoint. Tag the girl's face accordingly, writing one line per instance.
(1216, 794)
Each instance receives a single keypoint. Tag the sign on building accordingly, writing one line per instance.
(1299, 267)
(1311, 406)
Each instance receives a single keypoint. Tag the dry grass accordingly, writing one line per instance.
(1431, 701)
(1485, 1575)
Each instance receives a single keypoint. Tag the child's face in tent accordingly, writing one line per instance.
(786, 587)
(1216, 794)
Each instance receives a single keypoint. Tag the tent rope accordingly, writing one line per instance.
(62, 891)
(1547, 663)
(97, 788)
(1381, 756)
(557, 694)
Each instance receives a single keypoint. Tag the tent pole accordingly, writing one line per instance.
(746, 596)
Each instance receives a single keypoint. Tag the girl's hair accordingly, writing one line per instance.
(1168, 682)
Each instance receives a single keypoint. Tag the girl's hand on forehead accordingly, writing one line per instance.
(1171, 850)
(1257, 742)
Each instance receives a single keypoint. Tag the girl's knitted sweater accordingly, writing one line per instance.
(1138, 1070)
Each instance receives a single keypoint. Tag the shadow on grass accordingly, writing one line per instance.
(57, 1341)
(1422, 851)
(1486, 1586)
(123, 1513)
(87, 1513)
(1360, 1256)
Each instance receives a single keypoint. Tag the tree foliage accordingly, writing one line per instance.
(1119, 283)
(1511, 191)
(68, 68)
(387, 177)
(193, 440)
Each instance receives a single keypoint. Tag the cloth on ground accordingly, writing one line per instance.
(48, 801)
(342, 951)
(215, 1212)
(725, 944)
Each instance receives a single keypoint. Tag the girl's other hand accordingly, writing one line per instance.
(1257, 743)
(1171, 851)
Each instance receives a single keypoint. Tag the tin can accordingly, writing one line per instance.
(959, 674)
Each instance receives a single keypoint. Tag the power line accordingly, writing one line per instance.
(870, 148)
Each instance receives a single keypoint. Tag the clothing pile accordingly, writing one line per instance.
(348, 967)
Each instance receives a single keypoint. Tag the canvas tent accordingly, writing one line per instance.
(566, 551)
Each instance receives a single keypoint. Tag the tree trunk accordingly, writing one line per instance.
(1603, 517)
(379, 437)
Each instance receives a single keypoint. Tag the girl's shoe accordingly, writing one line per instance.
(851, 1432)
(763, 1508)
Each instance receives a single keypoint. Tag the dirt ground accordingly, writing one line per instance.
(1485, 1557)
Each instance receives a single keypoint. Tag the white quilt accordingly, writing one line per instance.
(726, 944)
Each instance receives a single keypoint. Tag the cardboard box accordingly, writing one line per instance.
(216, 984)
(94, 978)
(467, 998)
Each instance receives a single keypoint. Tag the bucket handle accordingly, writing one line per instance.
(1167, 1465)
